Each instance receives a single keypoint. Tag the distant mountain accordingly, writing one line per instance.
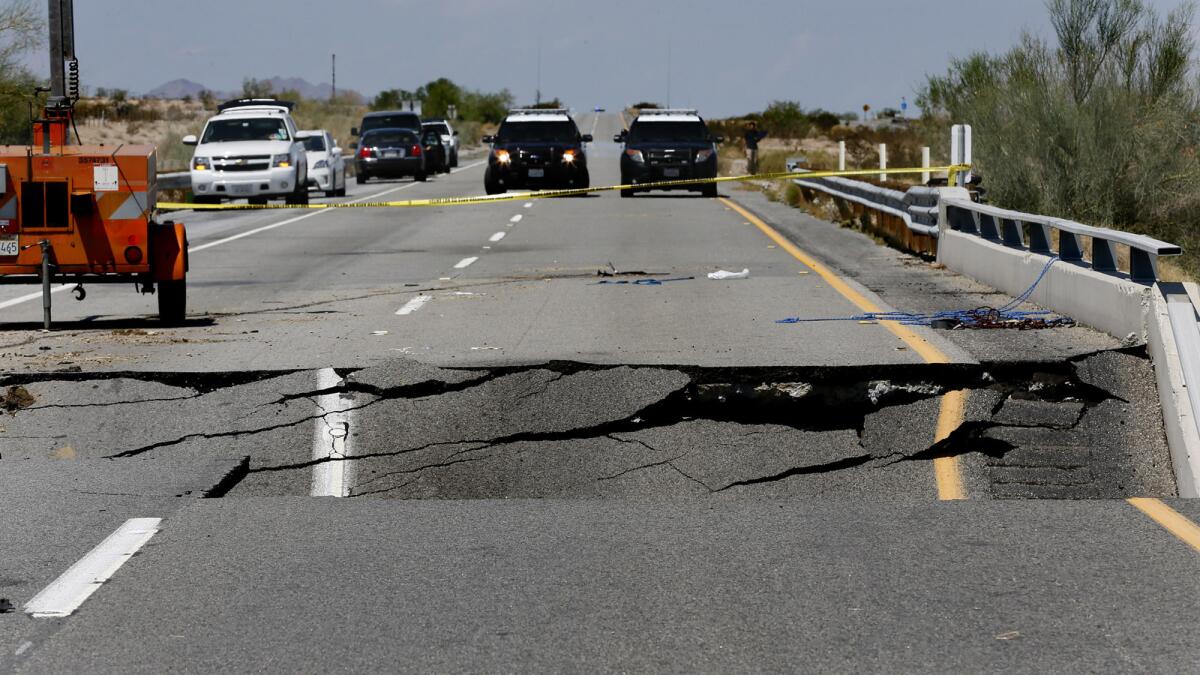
(177, 89)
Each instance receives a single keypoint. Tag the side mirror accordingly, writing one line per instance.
(456, 133)
(353, 131)
(587, 138)
(190, 140)
(336, 150)
(718, 139)
(354, 146)
(488, 139)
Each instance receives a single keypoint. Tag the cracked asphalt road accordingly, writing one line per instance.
(542, 472)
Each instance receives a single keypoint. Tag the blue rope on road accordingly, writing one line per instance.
(640, 282)
(983, 317)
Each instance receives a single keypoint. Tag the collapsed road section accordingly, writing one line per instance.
(1085, 428)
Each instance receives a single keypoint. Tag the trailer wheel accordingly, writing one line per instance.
(172, 302)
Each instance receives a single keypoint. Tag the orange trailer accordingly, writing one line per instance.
(85, 214)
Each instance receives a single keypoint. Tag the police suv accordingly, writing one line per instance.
(668, 145)
(537, 148)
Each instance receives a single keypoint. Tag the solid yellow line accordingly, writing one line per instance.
(950, 417)
(945, 469)
(1171, 520)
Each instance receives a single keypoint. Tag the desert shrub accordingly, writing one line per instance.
(1098, 126)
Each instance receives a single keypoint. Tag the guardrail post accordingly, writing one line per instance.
(841, 155)
(1104, 255)
(1011, 233)
(1143, 266)
(987, 227)
(882, 161)
(1039, 238)
(925, 175)
(1068, 246)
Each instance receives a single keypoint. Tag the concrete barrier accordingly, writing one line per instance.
(1163, 316)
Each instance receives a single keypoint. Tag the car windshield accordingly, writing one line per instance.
(314, 143)
(253, 129)
(667, 132)
(563, 131)
(432, 137)
(440, 127)
(401, 121)
(389, 139)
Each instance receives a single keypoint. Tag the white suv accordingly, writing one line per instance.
(250, 150)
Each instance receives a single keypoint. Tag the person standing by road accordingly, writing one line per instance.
(753, 136)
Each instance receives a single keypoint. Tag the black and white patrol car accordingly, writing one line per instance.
(537, 148)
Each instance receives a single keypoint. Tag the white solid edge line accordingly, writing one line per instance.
(413, 305)
(32, 296)
(66, 593)
(465, 262)
(516, 219)
(331, 439)
(289, 221)
(497, 237)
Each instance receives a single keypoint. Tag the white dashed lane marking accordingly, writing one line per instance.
(65, 594)
(465, 262)
(497, 237)
(516, 219)
(413, 305)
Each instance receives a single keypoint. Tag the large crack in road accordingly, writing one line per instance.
(1083, 428)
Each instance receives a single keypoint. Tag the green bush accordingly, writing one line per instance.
(1099, 126)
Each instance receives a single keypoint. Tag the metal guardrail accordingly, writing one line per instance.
(175, 181)
(1038, 234)
(919, 208)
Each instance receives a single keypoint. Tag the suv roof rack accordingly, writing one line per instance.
(539, 111)
(668, 111)
(255, 102)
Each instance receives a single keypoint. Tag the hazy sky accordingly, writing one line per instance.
(725, 57)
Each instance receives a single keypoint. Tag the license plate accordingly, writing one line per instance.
(671, 173)
(241, 189)
(537, 173)
(393, 154)
(10, 246)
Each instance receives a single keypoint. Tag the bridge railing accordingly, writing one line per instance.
(1067, 239)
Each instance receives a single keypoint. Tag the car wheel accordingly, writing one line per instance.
(360, 178)
(421, 177)
(299, 197)
(709, 190)
(454, 160)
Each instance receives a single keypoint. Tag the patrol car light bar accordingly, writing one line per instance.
(668, 111)
(539, 111)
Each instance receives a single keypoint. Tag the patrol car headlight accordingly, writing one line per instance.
(636, 155)
(568, 157)
(321, 164)
(503, 157)
(703, 155)
(201, 163)
(281, 161)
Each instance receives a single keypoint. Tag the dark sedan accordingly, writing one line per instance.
(390, 153)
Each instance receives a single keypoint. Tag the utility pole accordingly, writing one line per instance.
(333, 95)
(668, 71)
(538, 92)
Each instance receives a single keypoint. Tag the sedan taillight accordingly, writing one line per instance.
(416, 151)
(365, 152)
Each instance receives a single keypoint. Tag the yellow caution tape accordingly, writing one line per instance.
(952, 171)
